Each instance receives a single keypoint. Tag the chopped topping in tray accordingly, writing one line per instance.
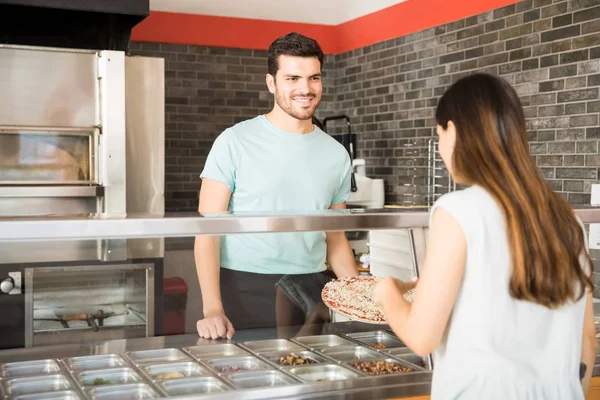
(293, 359)
(380, 367)
(170, 375)
(378, 346)
(101, 381)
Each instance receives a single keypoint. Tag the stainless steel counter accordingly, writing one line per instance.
(255, 346)
(201, 361)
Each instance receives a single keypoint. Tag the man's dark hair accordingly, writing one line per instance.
(292, 44)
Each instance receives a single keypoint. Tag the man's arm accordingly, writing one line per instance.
(214, 198)
(339, 253)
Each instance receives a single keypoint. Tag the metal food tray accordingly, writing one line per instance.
(190, 386)
(256, 379)
(215, 351)
(89, 363)
(61, 395)
(390, 360)
(414, 359)
(229, 365)
(35, 384)
(318, 342)
(267, 346)
(275, 356)
(187, 369)
(123, 392)
(379, 337)
(346, 354)
(157, 356)
(118, 376)
(326, 372)
(28, 368)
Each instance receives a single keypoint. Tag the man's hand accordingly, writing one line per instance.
(215, 326)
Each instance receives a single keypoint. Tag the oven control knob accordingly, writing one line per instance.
(7, 285)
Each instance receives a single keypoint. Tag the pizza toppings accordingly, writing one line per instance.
(293, 359)
(353, 296)
(378, 346)
(380, 367)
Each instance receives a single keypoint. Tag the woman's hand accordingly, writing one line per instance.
(390, 290)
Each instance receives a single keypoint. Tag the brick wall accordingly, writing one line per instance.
(549, 50)
(207, 90)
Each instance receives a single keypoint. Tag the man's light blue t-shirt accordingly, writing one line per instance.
(268, 169)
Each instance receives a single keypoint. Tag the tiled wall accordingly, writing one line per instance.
(549, 50)
(209, 89)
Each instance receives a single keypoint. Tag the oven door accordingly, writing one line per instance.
(88, 303)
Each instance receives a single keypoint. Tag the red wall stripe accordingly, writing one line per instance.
(203, 30)
(408, 17)
(395, 21)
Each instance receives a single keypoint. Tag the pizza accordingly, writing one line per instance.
(353, 297)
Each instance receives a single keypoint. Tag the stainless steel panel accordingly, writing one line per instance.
(190, 386)
(124, 392)
(306, 357)
(237, 364)
(157, 356)
(398, 350)
(266, 346)
(28, 368)
(43, 206)
(89, 363)
(320, 373)
(143, 227)
(377, 339)
(112, 149)
(348, 354)
(216, 351)
(323, 341)
(174, 370)
(61, 395)
(35, 384)
(113, 376)
(48, 88)
(51, 191)
(257, 379)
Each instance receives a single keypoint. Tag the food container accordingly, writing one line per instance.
(318, 342)
(190, 386)
(28, 368)
(403, 367)
(89, 363)
(255, 379)
(326, 372)
(346, 354)
(311, 357)
(175, 370)
(61, 395)
(379, 340)
(216, 351)
(415, 359)
(104, 377)
(123, 392)
(157, 356)
(237, 364)
(35, 384)
(267, 346)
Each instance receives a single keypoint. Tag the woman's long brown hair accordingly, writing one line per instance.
(546, 240)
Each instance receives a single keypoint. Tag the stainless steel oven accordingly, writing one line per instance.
(86, 303)
(75, 127)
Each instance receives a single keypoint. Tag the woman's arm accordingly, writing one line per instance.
(588, 344)
(421, 325)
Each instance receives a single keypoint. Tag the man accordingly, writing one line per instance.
(274, 162)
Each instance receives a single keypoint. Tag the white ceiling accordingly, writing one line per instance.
(325, 12)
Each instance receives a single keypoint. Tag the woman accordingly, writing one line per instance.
(504, 298)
